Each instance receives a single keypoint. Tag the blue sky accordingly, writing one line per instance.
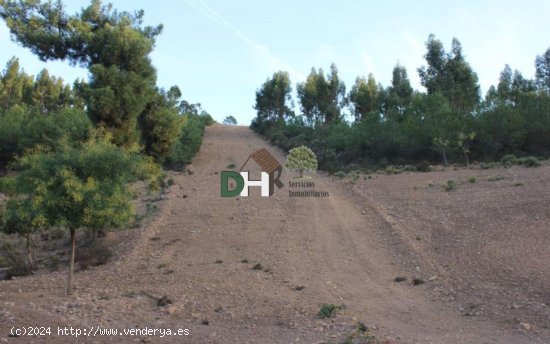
(219, 52)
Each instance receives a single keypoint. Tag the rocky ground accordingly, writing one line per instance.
(258, 269)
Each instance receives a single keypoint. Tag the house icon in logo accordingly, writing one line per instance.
(270, 175)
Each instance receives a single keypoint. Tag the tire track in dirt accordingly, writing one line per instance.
(203, 258)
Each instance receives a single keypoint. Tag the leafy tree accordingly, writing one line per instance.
(442, 144)
(400, 91)
(15, 85)
(22, 129)
(504, 88)
(19, 217)
(273, 99)
(161, 124)
(450, 75)
(322, 98)
(364, 97)
(49, 93)
(80, 188)
(301, 159)
(190, 139)
(542, 72)
(230, 120)
(464, 143)
(115, 46)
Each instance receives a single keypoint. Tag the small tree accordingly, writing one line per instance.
(80, 188)
(19, 217)
(301, 159)
(464, 143)
(230, 120)
(442, 144)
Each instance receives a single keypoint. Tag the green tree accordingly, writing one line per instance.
(364, 97)
(450, 75)
(161, 123)
(15, 85)
(20, 218)
(464, 143)
(230, 120)
(504, 88)
(301, 159)
(49, 93)
(273, 98)
(542, 72)
(322, 98)
(114, 46)
(400, 91)
(80, 188)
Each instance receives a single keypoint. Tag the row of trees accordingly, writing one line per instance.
(396, 124)
(76, 148)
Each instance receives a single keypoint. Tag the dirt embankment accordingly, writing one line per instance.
(487, 243)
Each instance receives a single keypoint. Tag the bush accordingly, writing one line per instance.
(340, 174)
(20, 129)
(509, 160)
(529, 161)
(189, 142)
(472, 180)
(423, 166)
(53, 262)
(328, 310)
(450, 186)
(95, 254)
(7, 185)
(19, 268)
(486, 165)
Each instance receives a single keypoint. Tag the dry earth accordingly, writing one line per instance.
(483, 251)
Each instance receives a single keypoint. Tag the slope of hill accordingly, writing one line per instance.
(258, 269)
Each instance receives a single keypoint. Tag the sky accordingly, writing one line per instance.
(219, 52)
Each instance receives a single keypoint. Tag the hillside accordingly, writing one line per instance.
(482, 251)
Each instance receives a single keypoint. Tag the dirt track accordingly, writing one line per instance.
(344, 249)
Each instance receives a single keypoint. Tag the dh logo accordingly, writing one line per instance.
(271, 172)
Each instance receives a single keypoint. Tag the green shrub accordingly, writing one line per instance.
(5, 262)
(19, 267)
(450, 186)
(423, 166)
(21, 129)
(53, 262)
(529, 161)
(472, 180)
(7, 185)
(189, 142)
(486, 165)
(328, 310)
(509, 160)
(95, 254)
(391, 169)
(340, 174)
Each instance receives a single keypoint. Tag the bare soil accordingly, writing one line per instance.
(482, 251)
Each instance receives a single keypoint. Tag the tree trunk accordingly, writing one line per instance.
(445, 159)
(467, 161)
(71, 262)
(301, 173)
(29, 250)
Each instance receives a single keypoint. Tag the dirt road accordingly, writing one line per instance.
(201, 250)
